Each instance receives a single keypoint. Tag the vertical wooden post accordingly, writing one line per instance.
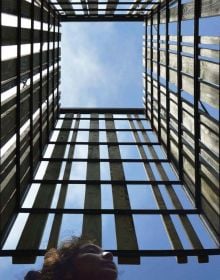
(125, 231)
(92, 223)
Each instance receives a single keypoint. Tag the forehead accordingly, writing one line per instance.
(89, 246)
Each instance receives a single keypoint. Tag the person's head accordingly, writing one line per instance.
(76, 259)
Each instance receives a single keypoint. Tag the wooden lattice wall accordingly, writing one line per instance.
(89, 152)
(181, 80)
(182, 95)
(29, 95)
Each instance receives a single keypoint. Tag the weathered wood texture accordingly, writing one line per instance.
(9, 66)
(185, 221)
(66, 6)
(8, 176)
(56, 226)
(37, 101)
(93, 4)
(10, 7)
(112, 6)
(126, 236)
(162, 56)
(92, 223)
(169, 225)
(209, 8)
(9, 36)
(43, 199)
(9, 117)
(59, 176)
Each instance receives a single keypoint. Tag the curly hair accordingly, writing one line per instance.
(58, 263)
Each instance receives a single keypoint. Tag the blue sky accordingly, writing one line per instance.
(102, 66)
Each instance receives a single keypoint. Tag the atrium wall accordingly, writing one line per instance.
(181, 105)
(182, 96)
(29, 96)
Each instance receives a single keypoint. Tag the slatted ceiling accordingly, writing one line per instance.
(148, 4)
(112, 6)
(134, 6)
(93, 7)
(187, 226)
(96, 12)
(69, 7)
(140, 6)
(84, 6)
(92, 223)
(55, 229)
(124, 224)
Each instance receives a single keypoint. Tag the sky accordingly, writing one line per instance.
(102, 64)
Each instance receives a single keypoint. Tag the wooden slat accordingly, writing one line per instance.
(209, 93)
(209, 8)
(187, 226)
(8, 162)
(210, 187)
(111, 6)
(10, 7)
(206, 42)
(92, 228)
(8, 102)
(169, 225)
(9, 66)
(55, 229)
(93, 4)
(84, 6)
(9, 36)
(134, 6)
(66, 6)
(8, 194)
(7, 215)
(9, 117)
(211, 40)
(43, 199)
(153, 7)
(210, 134)
(8, 183)
(125, 230)
(211, 218)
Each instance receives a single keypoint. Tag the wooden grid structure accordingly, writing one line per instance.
(182, 98)
(111, 10)
(61, 170)
(177, 66)
(29, 96)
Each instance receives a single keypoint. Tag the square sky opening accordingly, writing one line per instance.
(101, 64)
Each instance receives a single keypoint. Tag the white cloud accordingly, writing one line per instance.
(99, 65)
